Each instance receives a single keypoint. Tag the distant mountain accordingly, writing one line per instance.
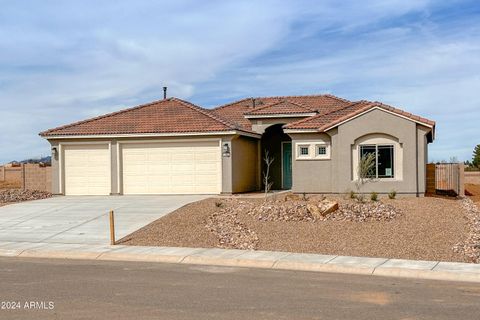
(36, 160)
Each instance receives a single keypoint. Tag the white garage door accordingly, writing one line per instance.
(172, 168)
(87, 169)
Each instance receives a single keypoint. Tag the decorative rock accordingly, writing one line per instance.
(328, 207)
(471, 246)
(18, 195)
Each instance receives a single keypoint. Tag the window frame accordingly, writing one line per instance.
(299, 151)
(392, 158)
(313, 153)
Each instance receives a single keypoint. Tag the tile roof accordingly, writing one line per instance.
(281, 107)
(326, 121)
(172, 115)
(235, 111)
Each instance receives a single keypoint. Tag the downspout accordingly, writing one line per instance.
(416, 161)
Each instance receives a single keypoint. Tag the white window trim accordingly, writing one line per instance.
(312, 150)
(299, 148)
(379, 139)
(327, 151)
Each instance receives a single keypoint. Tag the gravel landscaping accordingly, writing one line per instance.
(408, 228)
(8, 196)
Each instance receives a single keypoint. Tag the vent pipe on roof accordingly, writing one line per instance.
(164, 93)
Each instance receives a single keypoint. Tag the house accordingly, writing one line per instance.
(172, 146)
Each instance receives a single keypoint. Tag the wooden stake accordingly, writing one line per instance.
(112, 228)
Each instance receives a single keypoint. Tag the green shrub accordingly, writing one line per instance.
(392, 194)
(353, 195)
(218, 204)
(374, 196)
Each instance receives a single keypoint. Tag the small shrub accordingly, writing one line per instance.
(218, 204)
(304, 197)
(353, 195)
(374, 196)
(392, 194)
(361, 197)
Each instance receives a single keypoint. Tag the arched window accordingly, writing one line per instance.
(387, 151)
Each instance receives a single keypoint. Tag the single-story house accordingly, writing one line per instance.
(172, 146)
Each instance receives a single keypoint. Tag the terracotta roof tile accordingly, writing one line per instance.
(163, 116)
(178, 116)
(281, 107)
(236, 111)
(326, 121)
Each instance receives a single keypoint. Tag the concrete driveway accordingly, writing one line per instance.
(84, 219)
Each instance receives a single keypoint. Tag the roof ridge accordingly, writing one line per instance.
(305, 96)
(324, 114)
(279, 102)
(284, 97)
(230, 103)
(206, 112)
(103, 116)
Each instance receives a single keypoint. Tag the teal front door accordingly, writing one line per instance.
(286, 165)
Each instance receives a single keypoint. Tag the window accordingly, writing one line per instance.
(303, 151)
(316, 150)
(384, 164)
(321, 150)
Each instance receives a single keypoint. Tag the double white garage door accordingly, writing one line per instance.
(144, 168)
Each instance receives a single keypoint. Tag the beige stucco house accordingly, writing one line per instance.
(172, 146)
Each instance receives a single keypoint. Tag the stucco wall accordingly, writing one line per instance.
(311, 176)
(410, 136)
(245, 163)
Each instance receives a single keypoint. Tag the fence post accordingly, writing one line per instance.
(461, 179)
(112, 228)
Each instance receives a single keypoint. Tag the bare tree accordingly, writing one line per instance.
(366, 172)
(266, 173)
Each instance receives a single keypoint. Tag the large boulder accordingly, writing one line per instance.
(323, 208)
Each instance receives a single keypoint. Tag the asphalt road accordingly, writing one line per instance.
(68, 289)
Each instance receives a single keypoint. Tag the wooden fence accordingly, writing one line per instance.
(445, 178)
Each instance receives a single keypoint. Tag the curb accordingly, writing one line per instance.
(415, 269)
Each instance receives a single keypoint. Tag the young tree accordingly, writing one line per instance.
(366, 171)
(266, 173)
(476, 156)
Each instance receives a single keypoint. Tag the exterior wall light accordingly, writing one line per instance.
(226, 149)
(54, 152)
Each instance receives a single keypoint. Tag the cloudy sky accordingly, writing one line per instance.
(62, 61)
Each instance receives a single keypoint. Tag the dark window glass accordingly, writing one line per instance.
(385, 161)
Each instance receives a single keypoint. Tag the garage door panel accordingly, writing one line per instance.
(172, 168)
(87, 169)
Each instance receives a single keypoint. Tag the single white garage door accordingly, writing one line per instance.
(172, 168)
(87, 169)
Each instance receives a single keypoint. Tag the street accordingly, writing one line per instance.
(74, 289)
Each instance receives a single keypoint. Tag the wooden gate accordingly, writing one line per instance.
(445, 178)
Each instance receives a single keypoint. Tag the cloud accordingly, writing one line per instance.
(62, 61)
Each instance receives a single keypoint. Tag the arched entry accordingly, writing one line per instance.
(279, 146)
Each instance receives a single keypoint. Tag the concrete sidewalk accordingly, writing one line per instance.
(436, 270)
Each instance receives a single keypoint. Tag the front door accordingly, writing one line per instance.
(286, 165)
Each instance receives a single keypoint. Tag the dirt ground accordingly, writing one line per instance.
(474, 189)
(427, 230)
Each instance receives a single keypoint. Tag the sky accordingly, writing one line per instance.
(63, 61)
